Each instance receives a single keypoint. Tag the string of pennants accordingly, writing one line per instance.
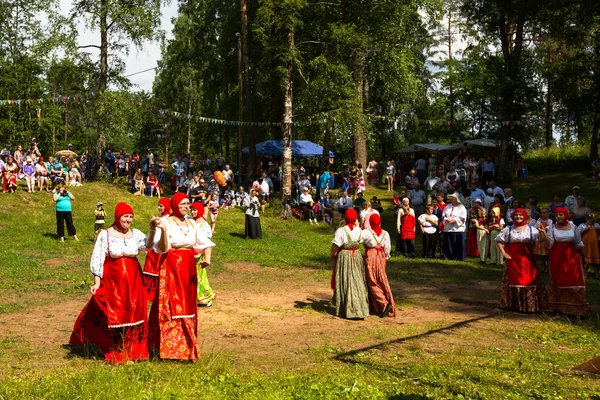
(61, 100)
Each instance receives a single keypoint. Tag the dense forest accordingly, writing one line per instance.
(363, 77)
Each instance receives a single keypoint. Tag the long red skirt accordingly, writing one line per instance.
(380, 293)
(472, 249)
(522, 288)
(173, 322)
(115, 317)
(567, 282)
(151, 268)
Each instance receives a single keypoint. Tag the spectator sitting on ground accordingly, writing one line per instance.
(344, 203)
(138, 182)
(358, 202)
(240, 196)
(376, 204)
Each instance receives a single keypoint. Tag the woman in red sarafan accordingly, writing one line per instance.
(173, 321)
(378, 246)
(522, 288)
(153, 259)
(115, 318)
(567, 279)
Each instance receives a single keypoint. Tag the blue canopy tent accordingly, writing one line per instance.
(300, 148)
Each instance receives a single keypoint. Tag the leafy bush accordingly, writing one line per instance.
(558, 159)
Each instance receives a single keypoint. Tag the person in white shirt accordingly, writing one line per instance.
(454, 217)
(378, 246)
(307, 205)
(428, 223)
(431, 181)
(571, 201)
(344, 203)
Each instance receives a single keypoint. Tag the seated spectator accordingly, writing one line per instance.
(74, 172)
(358, 202)
(344, 203)
(307, 205)
(153, 184)
(29, 173)
(9, 182)
(42, 174)
(139, 187)
(327, 208)
(57, 173)
(240, 196)
(376, 204)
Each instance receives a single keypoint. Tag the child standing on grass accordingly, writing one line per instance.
(428, 223)
(99, 214)
(541, 250)
(589, 237)
(213, 208)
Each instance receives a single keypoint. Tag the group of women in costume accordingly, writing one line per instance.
(360, 283)
(116, 317)
(522, 288)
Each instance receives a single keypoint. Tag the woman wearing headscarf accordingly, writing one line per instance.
(115, 318)
(205, 292)
(567, 280)
(348, 281)
(251, 203)
(378, 245)
(154, 259)
(522, 288)
(29, 173)
(173, 322)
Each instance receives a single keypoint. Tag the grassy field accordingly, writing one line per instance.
(271, 333)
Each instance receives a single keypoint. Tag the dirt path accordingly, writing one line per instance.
(267, 318)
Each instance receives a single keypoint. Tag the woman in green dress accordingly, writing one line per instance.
(351, 295)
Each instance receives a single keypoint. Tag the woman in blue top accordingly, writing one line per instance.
(62, 198)
(327, 208)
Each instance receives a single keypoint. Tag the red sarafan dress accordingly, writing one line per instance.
(115, 318)
(567, 279)
(522, 288)
(377, 252)
(472, 249)
(173, 321)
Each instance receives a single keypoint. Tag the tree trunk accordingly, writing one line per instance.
(189, 135)
(549, 111)
(276, 100)
(102, 84)
(326, 144)
(451, 87)
(359, 138)
(286, 127)
(247, 88)
(595, 129)
(240, 138)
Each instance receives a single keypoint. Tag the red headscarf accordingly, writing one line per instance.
(375, 222)
(166, 204)
(350, 217)
(523, 213)
(565, 212)
(175, 200)
(120, 210)
(200, 208)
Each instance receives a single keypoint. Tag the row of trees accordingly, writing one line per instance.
(342, 61)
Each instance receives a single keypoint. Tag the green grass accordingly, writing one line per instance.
(450, 354)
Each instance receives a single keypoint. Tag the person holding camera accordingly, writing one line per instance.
(252, 204)
(63, 198)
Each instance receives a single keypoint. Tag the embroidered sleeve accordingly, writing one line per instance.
(140, 240)
(99, 255)
(577, 240)
(503, 236)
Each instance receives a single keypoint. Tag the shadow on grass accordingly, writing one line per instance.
(50, 235)
(322, 306)
(237, 235)
(91, 352)
(347, 357)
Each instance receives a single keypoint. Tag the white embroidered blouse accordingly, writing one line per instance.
(370, 239)
(570, 235)
(192, 236)
(118, 247)
(527, 235)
